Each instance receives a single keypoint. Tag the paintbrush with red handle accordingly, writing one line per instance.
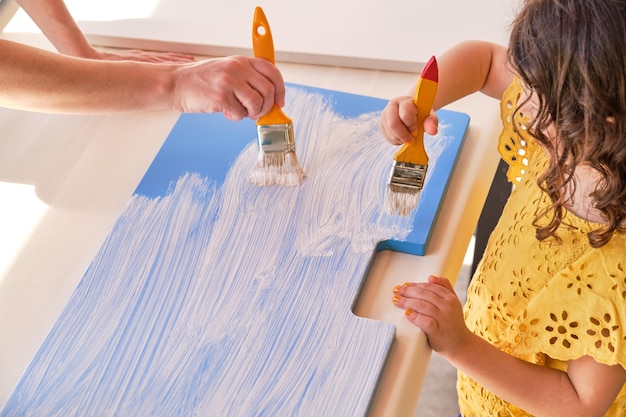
(411, 161)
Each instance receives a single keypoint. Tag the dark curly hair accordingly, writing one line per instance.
(572, 54)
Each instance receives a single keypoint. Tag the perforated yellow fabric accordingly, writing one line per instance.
(515, 144)
(545, 302)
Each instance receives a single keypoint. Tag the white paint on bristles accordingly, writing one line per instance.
(233, 300)
(282, 169)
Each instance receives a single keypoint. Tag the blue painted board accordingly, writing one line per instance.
(187, 150)
(211, 296)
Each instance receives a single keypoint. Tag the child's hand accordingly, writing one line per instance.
(435, 308)
(398, 121)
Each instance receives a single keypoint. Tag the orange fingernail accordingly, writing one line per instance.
(395, 299)
(408, 312)
(396, 289)
(406, 284)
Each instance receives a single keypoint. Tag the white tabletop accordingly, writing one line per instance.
(65, 179)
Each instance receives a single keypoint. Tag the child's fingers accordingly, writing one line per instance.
(434, 307)
(440, 287)
(388, 122)
(408, 114)
(431, 124)
(423, 304)
(421, 313)
(444, 282)
(398, 121)
(426, 323)
(430, 299)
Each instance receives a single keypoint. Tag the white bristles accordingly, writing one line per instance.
(281, 169)
(401, 202)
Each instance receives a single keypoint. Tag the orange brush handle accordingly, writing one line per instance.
(424, 98)
(263, 47)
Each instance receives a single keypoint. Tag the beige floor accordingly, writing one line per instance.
(438, 397)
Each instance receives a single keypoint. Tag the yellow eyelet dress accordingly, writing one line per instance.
(542, 301)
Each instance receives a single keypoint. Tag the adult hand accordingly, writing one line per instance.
(237, 86)
(56, 22)
(398, 121)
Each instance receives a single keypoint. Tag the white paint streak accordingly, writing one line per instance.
(232, 301)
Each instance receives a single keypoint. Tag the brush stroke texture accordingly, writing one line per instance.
(231, 299)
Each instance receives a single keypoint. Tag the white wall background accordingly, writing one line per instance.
(378, 34)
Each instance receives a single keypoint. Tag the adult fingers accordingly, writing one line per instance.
(235, 111)
(273, 75)
(253, 100)
(253, 91)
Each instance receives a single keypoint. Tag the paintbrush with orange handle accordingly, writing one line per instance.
(277, 163)
(411, 161)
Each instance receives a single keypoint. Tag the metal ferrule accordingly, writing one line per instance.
(276, 138)
(407, 175)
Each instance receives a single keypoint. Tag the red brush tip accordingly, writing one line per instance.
(431, 71)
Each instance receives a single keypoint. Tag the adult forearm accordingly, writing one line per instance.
(58, 25)
(38, 80)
